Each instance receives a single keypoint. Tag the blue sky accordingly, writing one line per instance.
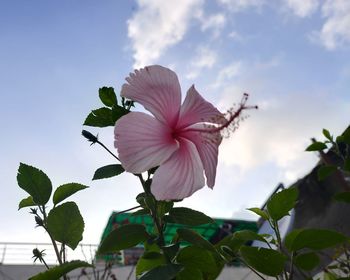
(292, 57)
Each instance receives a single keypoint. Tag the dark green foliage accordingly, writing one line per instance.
(118, 112)
(164, 207)
(316, 146)
(26, 202)
(101, 117)
(307, 261)
(107, 96)
(190, 273)
(57, 272)
(343, 197)
(346, 136)
(187, 216)
(163, 272)
(145, 264)
(327, 134)
(194, 238)
(281, 203)
(124, 237)
(66, 224)
(35, 182)
(266, 261)
(108, 171)
(324, 171)
(259, 212)
(192, 256)
(315, 239)
(66, 190)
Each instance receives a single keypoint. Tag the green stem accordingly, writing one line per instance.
(158, 224)
(291, 272)
(279, 241)
(252, 269)
(42, 210)
(98, 142)
(127, 210)
(42, 260)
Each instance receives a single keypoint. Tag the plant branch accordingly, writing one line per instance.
(98, 142)
(252, 269)
(127, 210)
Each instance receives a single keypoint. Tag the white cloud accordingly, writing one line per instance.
(205, 58)
(213, 22)
(234, 35)
(335, 31)
(239, 5)
(157, 25)
(280, 130)
(227, 73)
(302, 8)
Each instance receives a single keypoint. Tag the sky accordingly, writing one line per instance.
(291, 56)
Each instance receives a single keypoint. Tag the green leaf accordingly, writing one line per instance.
(329, 276)
(141, 199)
(324, 171)
(281, 203)
(327, 134)
(316, 146)
(35, 182)
(66, 190)
(346, 136)
(107, 96)
(164, 207)
(339, 139)
(187, 216)
(202, 259)
(259, 212)
(171, 250)
(123, 237)
(163, 272)
(57, 272)
(266, 261)
(118, 112)
(194, 238)
(315, 239)
(307, 261)
(101, 117)
(347, 164)
(26, 202)
(343, 197)
(145, 264)
(190, 273)
(289, 239)
(66, 224)
(108, 171)
(229, 246)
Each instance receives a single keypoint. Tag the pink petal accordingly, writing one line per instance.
(143, 142)
(207, 145)
(196, 109)
(181, 175)
(157, 88)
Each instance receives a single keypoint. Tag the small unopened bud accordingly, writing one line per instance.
(39, 221)
(38, 255)
(33, 211)
(89, 136)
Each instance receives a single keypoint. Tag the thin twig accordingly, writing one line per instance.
(252, 269)
(98, 142)
(127, 210)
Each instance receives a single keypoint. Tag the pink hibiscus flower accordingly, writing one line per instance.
(182, 140)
